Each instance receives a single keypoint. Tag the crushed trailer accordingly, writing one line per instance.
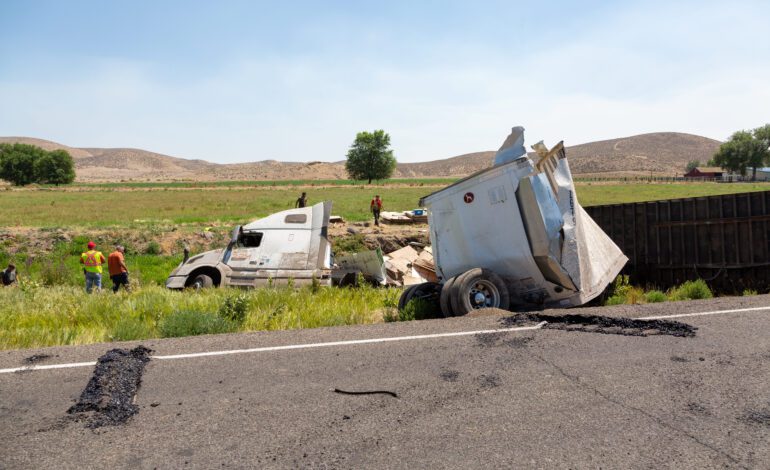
(514, 235)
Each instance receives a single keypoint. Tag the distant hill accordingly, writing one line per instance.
(662, 153)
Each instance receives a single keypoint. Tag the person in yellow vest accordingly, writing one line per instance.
(92, 262)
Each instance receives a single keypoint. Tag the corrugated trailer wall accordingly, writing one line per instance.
(721, 239)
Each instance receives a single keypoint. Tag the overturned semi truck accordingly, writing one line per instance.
(291, 246)
(514, 235)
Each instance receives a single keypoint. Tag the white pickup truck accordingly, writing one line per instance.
(514, 235)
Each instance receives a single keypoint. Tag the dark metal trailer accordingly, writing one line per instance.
(724, 240)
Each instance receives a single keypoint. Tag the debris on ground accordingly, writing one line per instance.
(410, 265)
(35, 358)
(368, 392)
(605, 325)
(108, 399)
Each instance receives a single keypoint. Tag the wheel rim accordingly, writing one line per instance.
(484, 294)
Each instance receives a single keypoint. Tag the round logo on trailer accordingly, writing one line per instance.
(468, 198)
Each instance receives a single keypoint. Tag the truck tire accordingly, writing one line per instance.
(202, 281)
(479, 288)
(406, 296)
(427, 291)
(445, 301)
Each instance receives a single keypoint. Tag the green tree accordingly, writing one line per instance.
(369, 157)
(691, 165)
(17, 163)
(744, 150)
(56, 167)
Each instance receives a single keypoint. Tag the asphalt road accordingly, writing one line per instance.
(540, 398)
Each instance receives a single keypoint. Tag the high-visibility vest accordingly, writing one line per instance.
(92, 260)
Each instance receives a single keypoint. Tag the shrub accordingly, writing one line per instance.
(415, 309)
(192, 323)
(691, 290)
(153, 248)
(234, 308)
(748, 292)
(54, 273)
(655, 296)
(350, 244)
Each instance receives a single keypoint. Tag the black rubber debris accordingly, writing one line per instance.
(368, 392)
(604, 325)
(108, 399)
(36, 358)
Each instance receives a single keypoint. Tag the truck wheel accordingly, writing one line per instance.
(202, 281)
(479, 288)
(406, 296)
(445, 301)
(427, 291)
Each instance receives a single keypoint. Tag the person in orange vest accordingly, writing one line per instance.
(92, 262)
(116, 265)
(376, 207)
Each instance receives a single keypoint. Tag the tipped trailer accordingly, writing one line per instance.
(514, 235)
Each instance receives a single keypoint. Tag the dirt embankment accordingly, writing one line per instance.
(171, 240)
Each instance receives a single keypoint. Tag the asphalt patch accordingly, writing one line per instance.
(450, 375)
(604, 325)
(108, 399)
(758, 417)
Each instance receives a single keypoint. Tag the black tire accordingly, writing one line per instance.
(202, 281)
(427, 291)
(445, 301)
(406, 296)
(479, 288)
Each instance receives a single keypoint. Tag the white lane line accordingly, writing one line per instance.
(51, 366)
(364, 341)
(288, 347)
(700, 314)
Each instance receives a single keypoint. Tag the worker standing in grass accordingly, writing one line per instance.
(301, 201)
(376, 207)
(92, 262)
(9, 275)
(116, 264)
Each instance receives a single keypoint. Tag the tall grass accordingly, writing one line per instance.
(35, 316)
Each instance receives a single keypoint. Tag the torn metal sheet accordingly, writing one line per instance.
(369, 263)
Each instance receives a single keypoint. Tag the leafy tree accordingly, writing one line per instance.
(744, 149)
(56, 167)
(17, 163)
(692, 164)
(22, 164)
(369, 157)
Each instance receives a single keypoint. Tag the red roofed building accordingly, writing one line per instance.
(705, 172)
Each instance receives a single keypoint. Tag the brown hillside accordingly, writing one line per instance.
(662, 153)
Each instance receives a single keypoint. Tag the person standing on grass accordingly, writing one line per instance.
(92, 262)
(301, 201)
(376, 207)
(9, 275)
(116, 265)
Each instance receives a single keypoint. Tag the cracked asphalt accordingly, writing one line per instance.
(546, 398)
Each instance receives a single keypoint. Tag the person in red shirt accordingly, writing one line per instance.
(376, 207)
(116, 264)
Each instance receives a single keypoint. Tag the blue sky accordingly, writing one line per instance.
(237, 81)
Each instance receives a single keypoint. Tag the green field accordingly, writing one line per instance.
(121, 207)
